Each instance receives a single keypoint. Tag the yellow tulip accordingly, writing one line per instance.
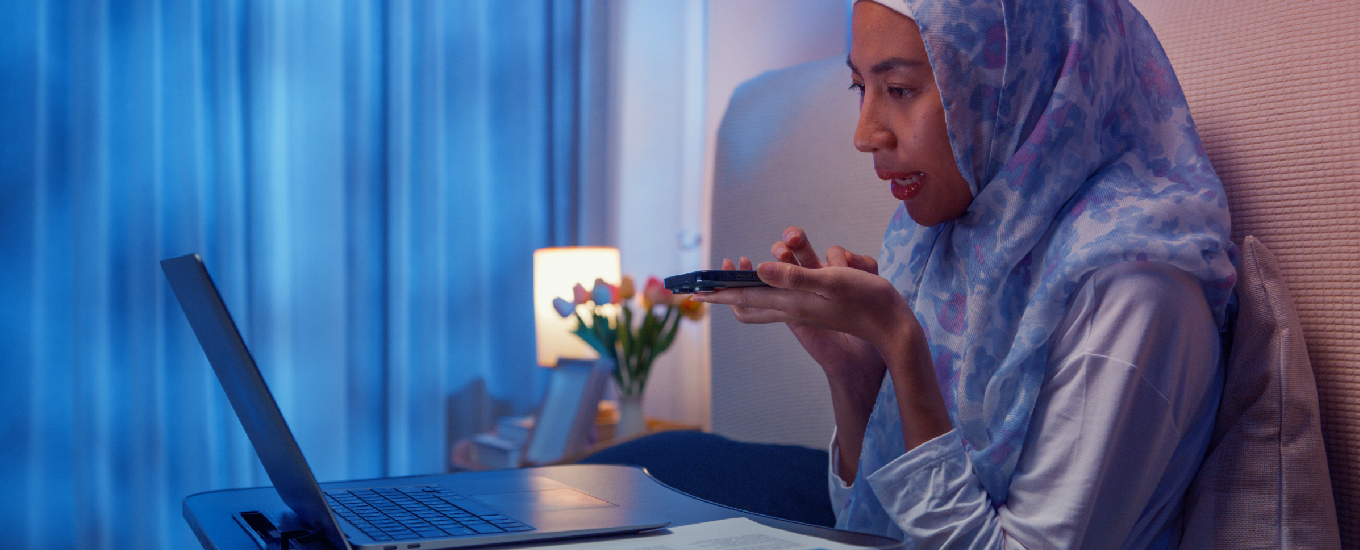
(691, 309)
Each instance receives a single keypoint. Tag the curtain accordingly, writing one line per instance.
(365, 180)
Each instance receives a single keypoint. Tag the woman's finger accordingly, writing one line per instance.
(867, 263)
(771, 305)
(728, 265)
(861, 262)
(796, 240)
(757, 316)
(837, 257)
(795, 303)
(746, 264)
(782, 253)
(789, 276)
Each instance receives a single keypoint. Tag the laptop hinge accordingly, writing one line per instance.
(270, 537)
(302, 540)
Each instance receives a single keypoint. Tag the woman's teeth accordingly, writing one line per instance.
(907, 187)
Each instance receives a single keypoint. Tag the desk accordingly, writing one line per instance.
(210, 514)
(463, 456)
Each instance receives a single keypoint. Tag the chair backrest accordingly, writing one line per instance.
(785, 156)
(1274, 89)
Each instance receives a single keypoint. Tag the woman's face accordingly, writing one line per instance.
(901, 117)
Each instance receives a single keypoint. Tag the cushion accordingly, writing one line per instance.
(783, 481)
(1264, 481)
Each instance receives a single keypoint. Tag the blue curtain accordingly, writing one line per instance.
(366, 180)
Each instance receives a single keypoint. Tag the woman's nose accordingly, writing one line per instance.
(870, 135)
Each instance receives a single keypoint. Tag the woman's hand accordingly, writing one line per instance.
(839, 354)
(848, 318)
(835, 308)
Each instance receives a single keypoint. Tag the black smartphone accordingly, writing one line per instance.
(711, 280)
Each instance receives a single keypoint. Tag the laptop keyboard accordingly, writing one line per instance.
(417, 512)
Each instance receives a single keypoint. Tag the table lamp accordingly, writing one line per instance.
(564, 423)
(556, 271)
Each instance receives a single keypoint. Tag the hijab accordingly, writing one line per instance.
(1069, 125)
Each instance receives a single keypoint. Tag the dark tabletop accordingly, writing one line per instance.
(210, 514)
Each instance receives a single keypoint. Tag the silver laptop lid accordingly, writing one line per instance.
(245, 388)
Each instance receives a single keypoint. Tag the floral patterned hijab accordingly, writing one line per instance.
(1071, 129)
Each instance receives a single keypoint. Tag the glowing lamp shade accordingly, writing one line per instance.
(556, 271)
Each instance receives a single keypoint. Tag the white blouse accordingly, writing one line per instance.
(1119, 429)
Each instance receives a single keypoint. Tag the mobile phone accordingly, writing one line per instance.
(710, 280)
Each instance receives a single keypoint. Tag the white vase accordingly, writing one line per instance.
(631, 421)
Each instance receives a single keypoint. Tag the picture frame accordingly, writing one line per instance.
(563, 425)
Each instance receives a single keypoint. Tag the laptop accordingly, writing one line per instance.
(384, 514)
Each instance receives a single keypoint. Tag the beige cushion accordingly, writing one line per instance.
(1264, 483)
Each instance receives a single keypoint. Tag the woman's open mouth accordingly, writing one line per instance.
(906, 187)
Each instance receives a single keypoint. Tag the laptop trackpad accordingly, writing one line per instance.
(551, 500)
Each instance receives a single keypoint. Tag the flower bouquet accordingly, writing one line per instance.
(632, 344)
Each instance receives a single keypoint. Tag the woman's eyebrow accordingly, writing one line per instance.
(886, 66)
(892, 63)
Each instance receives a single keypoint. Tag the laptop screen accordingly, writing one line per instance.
(246, 390)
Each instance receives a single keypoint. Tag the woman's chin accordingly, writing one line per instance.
(923, 217)
(932, 210)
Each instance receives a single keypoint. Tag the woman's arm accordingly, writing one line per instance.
(919, 401)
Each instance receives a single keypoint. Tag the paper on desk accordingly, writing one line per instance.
(726, 534)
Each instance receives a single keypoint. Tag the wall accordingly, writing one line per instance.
(674, 66)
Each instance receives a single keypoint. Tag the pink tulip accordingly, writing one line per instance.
(579, 294)
(655, 293)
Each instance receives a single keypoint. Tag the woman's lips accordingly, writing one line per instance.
(906, 186)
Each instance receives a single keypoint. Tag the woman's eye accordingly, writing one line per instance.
(898, 92)
(858, 88)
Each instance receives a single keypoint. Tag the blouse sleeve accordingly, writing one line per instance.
(840, 491)
(1119, 429)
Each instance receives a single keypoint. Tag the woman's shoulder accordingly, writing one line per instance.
(1150, 287)
(1134, 311)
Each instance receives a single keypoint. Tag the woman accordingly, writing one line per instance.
(1038, 364)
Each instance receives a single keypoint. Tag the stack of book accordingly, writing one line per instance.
(503, 447)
